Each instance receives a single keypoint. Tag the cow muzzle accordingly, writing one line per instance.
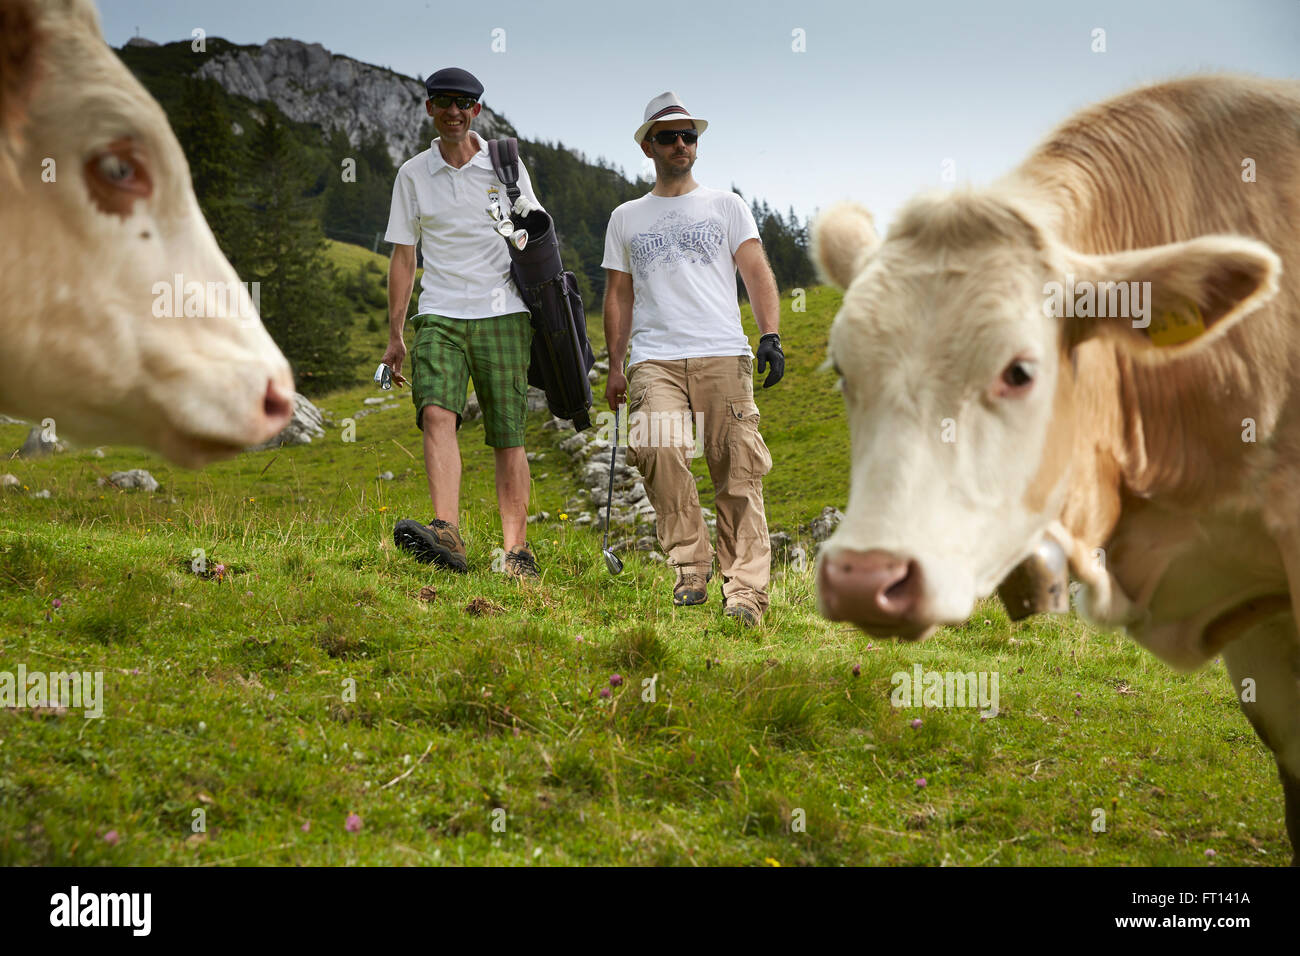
(879, 591)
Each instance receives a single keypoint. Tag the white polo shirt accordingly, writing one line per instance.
(466, 262)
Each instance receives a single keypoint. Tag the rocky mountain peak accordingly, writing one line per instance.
(312, 85)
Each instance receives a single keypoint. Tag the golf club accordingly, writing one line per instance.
(511, 234)
(612, 560)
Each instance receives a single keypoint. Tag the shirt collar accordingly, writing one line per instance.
(481, 158)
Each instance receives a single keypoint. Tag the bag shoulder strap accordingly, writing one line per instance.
(504, 154)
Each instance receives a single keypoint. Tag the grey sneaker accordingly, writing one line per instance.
(438, 543)
(692, 587)
(521, 563)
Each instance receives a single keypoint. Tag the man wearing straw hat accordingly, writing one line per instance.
(671, 259)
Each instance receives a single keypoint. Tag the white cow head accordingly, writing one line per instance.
(100, 232)
(959, 389)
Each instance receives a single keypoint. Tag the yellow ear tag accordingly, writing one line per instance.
(1177, 325)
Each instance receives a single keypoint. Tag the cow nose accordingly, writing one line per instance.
(877, 590)
(277, 405)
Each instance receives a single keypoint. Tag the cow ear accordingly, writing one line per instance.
(843, 238)
(1175, 293)
(19, 54)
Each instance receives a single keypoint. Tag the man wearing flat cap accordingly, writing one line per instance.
(671, 259)
(472, 323)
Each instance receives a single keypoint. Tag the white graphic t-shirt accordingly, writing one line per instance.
(680, 253)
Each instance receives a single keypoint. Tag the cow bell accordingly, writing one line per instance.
(1040, 584)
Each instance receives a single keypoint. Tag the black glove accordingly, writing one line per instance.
(769, 352)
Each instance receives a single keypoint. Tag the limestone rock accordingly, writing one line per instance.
(781, 544)
(821, 527)
(536, 400)
(306, 424)
(135, 478)
(312, 85)
(36, 445)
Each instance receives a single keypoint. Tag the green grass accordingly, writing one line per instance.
(232, 696)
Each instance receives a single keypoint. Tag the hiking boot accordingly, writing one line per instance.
(692, 587)
(520, 563)
(746, 615)
(438, 543)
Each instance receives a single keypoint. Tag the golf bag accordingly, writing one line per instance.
(561, 354)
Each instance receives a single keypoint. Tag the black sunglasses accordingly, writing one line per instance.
(442, 101)
(666, 137)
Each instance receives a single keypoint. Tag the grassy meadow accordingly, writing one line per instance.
(326, 700)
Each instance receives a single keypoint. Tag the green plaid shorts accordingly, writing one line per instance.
(494, 351)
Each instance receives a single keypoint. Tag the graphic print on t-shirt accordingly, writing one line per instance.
(675, 238)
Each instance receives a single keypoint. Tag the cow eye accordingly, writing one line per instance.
(116, 169)
(117, 176)
(1018, 377)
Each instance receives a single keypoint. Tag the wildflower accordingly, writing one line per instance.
(111, 838)
(615, 680)
(354, 823)
(916, 723)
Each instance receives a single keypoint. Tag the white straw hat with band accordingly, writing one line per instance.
(667, 106)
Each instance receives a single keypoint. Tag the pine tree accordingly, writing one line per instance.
(300, 302)
(217, 158)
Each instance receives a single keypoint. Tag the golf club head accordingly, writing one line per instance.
(505, 227)
(518, 239)
(613, 562)
(494, 210)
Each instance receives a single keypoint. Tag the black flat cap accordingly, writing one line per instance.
(454, 80)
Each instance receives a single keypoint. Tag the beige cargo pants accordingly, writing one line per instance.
(717, 393)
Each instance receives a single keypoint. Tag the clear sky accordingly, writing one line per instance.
(880, 97)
